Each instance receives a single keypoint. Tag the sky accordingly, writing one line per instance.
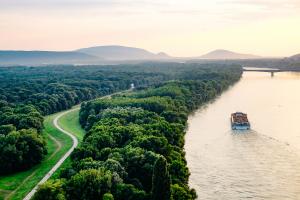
(179, 28)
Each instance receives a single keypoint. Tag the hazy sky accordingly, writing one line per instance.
(178, 27)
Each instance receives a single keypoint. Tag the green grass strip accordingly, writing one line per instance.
(16, 186)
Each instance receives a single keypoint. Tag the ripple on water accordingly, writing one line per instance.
(256, 165)
(242, 166)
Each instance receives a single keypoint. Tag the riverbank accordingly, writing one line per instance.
(129, 133)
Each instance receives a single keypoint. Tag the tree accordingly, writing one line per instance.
(108, 196)
(129, 192)
(91, 184)
(138, 163)
(179, 171)
(20, 150)
(6, 129)
(161, 180)
(51, 190)
(152, 143)
(182, 193)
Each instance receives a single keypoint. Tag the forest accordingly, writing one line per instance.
(29, 93)
(133, 148)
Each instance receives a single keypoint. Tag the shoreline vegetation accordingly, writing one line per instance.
(173, 90)
(134, 143)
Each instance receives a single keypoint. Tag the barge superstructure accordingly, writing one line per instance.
(239, 121)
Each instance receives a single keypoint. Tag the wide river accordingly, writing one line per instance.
(263, 163)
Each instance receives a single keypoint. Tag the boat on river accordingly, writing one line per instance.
(239, 121)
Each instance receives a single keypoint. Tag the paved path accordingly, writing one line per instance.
(60, 162)
(75, 143)
(59, 145)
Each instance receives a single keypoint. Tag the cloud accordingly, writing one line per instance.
(204, 8)
(206, 12)
(50, 4)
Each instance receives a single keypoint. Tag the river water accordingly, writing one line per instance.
(263, 163)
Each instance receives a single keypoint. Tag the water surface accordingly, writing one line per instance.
(260, 164)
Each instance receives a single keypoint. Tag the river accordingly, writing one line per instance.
(263, 163)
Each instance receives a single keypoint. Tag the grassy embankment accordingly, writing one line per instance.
(70, 123)
(16, 186)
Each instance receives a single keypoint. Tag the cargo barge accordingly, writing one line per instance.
(239, 121)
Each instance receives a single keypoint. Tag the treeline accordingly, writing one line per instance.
(55, 88)
(28, 93)
(133, 148)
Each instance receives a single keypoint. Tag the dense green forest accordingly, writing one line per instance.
(55, 88)
(134, 145)
(28, 93)
(21, 142)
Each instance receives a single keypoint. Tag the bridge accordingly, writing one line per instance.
(272, 71)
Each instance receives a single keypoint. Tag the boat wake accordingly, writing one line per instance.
(244, 165)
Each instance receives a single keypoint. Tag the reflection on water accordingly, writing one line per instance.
(261, 164)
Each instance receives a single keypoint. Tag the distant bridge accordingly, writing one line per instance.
(272, 71)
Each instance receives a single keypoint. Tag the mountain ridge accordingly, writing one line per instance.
(117, 52)
(295, 57)
(220, 54)
(105, 54)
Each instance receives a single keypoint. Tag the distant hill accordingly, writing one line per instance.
(221, 54)
(44, 57)
(295, 57)
(122, 53)
(92, 55)
(103, 55)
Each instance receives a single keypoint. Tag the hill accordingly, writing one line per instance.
(225, 54)
(295, 57)
(44, 57)
(122, 53)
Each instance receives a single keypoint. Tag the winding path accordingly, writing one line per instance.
(60, 162)
(75, 143)
(59, 145)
